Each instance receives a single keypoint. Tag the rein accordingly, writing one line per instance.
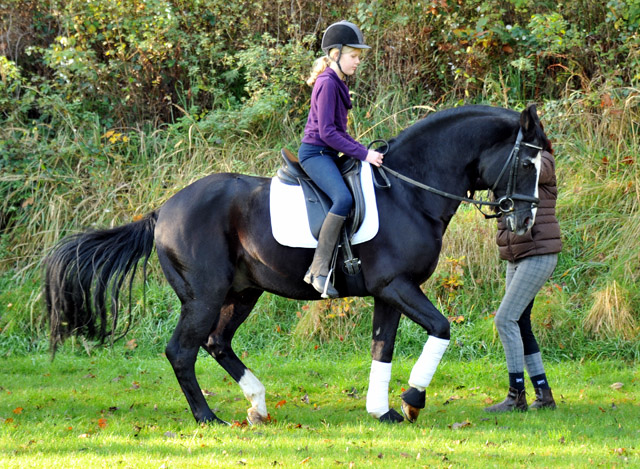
(505, 204)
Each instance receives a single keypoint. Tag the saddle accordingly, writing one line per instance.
(317, 202)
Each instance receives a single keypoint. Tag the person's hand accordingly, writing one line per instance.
(374, 157)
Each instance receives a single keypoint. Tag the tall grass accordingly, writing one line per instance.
(103, 177)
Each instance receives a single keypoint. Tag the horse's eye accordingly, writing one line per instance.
(527, 164)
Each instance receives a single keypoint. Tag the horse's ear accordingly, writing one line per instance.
(529, 120)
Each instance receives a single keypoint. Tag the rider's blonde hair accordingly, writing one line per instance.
(321, 64)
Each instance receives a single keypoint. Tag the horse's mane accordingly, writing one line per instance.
(440, 118)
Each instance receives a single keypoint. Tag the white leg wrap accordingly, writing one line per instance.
(426, 365)
(254, 391)
(378, 393)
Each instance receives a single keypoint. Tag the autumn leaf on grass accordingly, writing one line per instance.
(18, 410)
(457, 425)
(131, 344)
(451, 399)
(281, 403)
(102, 423)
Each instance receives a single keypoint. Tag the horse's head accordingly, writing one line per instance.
(513, 178)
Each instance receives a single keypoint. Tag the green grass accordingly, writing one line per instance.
(123, 408)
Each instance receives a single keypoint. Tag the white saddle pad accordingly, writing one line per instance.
(289, 221)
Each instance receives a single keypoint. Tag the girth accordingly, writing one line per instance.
(317, 202)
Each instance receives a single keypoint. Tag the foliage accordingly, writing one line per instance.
(108, 108)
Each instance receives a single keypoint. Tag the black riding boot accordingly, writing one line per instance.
(318, 273)
(516, 400)
(544, 399)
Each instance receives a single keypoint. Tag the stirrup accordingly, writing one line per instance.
(327, 284)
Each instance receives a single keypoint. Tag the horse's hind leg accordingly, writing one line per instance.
(235, 310)
(196, 320)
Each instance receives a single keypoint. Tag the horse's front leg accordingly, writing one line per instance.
(411, 301)
(385, 327)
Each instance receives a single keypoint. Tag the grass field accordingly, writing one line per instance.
(123, 408)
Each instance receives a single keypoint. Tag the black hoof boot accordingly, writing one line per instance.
(413, 401)
(391, 417)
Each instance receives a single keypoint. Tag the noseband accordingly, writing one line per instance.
(506, 203)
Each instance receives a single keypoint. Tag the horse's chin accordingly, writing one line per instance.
(519, 227)
(521, 231)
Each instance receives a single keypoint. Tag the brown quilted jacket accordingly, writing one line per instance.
(544, 236)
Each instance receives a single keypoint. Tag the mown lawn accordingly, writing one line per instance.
(124, 409)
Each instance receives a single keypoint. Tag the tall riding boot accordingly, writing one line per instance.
(516, 400)
(544, 399)
(318, 273)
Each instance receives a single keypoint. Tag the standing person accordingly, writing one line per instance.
(531, 259)
(325, 135)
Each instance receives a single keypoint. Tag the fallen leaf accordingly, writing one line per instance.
(131, 344)
(616, 385)
(458, 425)
(305, 460)
(451, 399)
(606, 101)
(18, 410)
(281, 403)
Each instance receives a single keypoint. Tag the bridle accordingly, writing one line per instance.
(506, 203)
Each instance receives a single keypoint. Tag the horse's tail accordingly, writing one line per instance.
(86, 270)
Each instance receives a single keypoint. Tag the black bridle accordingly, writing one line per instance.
(506, 203)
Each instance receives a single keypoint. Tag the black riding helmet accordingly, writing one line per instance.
(343, 33)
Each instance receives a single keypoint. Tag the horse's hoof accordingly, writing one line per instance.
(411, 413)
(391, 417)
(254, 418)
(213, 421)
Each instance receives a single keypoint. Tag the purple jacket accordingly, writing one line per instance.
(327, 122)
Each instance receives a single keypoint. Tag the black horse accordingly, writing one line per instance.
(219, 255)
